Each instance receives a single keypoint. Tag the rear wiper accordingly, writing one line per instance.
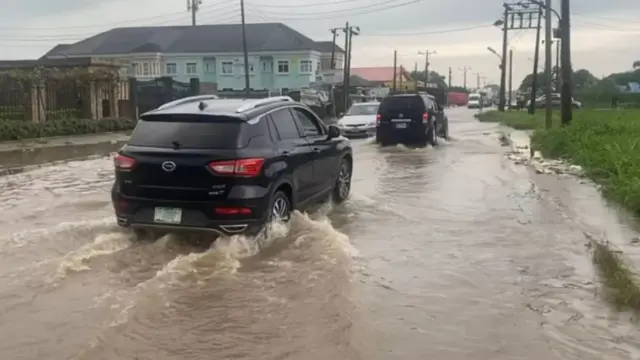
(176, 145)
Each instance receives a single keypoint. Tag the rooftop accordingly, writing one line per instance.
(225, 38)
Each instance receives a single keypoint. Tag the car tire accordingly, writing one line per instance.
(280, 207)
(342, 186)
(432, 138)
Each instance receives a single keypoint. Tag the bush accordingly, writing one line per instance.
(20, 130)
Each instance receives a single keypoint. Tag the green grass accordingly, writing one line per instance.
(519, 120)
(620, 282)
(606, 143)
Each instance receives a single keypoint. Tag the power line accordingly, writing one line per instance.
(303, 5)
(435, 32)
(342, 13)
(210, 10)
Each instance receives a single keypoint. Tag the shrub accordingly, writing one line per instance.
(20, 130)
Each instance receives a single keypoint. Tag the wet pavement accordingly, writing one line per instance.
(448, 253)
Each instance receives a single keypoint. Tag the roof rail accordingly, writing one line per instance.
(187, 100)
(265, 101)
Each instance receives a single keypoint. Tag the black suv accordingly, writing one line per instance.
(411, 119)
(227, 166)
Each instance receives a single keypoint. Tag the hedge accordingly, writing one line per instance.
(21, 130)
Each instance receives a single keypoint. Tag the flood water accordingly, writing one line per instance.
(447, 253)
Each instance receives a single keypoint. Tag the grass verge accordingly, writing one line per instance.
(621, 285)
(605, 143)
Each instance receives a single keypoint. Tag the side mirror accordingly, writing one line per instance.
(341, 115)
(334, 132)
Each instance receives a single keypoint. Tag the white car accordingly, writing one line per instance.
(360, 120)
(475, 101)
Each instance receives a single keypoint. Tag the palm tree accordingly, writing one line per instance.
(636, 64)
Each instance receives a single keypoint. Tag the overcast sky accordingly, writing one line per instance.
(604, 39)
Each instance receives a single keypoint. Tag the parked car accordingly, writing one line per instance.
(411, 119)
(227, 166)
(360, 120)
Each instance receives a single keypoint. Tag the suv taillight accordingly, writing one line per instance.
(378, 119)
(425, 117)
(124, 163)
(240, 167)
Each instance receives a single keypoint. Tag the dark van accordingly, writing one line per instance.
(412, 119)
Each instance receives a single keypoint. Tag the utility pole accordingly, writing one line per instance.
(464, 75)
(536, 57)
(415, 78)
(334, 31)
(395, 65)
(548, 62)
(345, 69)
(193, 6)
(518, 15)
(247, 84)
(510, 77)
(400, 82)
(449, 82)
(478, 75)
(426, 54)
(349, 31)
(503, 65)
(565, 93)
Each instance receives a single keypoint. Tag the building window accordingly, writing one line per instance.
(227, 67)
(283, 66)
(267, 66)
(135, 69)
(146, 69)
(306, 66)
(172, 68)
(318, 67)
(192, 68)
(210, 67)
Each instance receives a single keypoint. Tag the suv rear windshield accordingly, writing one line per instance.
(395, 104)
(222, 134)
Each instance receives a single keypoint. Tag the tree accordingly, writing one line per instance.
(636, 64)
(434, 77)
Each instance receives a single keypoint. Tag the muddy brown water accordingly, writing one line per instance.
(447, 253)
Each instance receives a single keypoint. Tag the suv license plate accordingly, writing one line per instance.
(167, 215)
(401, 126)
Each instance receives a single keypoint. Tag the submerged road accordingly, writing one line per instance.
(447, 253)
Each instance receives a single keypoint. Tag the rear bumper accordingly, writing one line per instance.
(137, 213)
(411, 135)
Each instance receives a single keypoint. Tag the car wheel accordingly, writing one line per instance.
(342, 186)
(432, 138)
(280, 207)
